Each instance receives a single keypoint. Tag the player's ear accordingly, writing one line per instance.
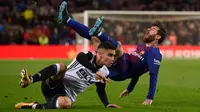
(98, 55)
(158, 37)
(100, 52)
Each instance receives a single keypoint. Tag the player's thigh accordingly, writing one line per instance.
(51, 88)
(64, 102)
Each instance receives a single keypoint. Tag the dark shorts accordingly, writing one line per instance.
(52, 89)
(119, 69)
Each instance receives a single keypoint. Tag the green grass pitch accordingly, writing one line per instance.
(178, 89)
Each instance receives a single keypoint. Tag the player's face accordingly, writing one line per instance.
(151, 34)
(107, 58)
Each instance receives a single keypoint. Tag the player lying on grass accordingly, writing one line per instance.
(145, 58)
(61, 84)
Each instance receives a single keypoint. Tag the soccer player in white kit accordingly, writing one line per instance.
(61, 84)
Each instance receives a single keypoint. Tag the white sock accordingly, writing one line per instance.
(99, 34)
(57, 104)
(58, 68)
(68, 20)
(34, 106)
(31, 80)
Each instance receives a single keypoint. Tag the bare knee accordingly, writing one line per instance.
(63, 67)
(119, 47)
(95, 41)
(61, 73)
(64, 102)
(119, 50)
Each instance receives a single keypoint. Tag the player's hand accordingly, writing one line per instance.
(147, 102)
(102, 77)
(124, 93)
(113, 106)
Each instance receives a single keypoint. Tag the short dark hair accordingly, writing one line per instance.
(162, 31)
(106, 45)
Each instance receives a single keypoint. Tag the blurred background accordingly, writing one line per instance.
(33, 23)
(30, 38)
(23, 22)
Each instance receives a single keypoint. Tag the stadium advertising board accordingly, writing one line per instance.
(69, 52)
(180, 52)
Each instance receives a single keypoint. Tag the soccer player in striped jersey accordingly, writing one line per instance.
(146, 57)
(61, 84)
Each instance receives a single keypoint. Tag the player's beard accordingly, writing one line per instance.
(149, 38)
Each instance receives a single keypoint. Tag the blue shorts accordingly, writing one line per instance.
(119, 70)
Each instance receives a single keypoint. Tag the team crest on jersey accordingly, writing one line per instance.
(142, 52)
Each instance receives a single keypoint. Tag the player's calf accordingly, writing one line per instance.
(55, 71)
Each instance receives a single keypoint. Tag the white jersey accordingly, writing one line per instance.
(77, 78)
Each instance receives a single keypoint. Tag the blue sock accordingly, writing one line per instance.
(103, 37)
(81, 29)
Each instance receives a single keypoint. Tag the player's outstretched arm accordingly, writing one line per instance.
(130, 87)
(103, 96)
(152, 89)
(153, 60)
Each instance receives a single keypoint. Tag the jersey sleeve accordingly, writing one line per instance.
(102, 93)
(153, 61)
(132, 83)
(84, 59)
(104, 70)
